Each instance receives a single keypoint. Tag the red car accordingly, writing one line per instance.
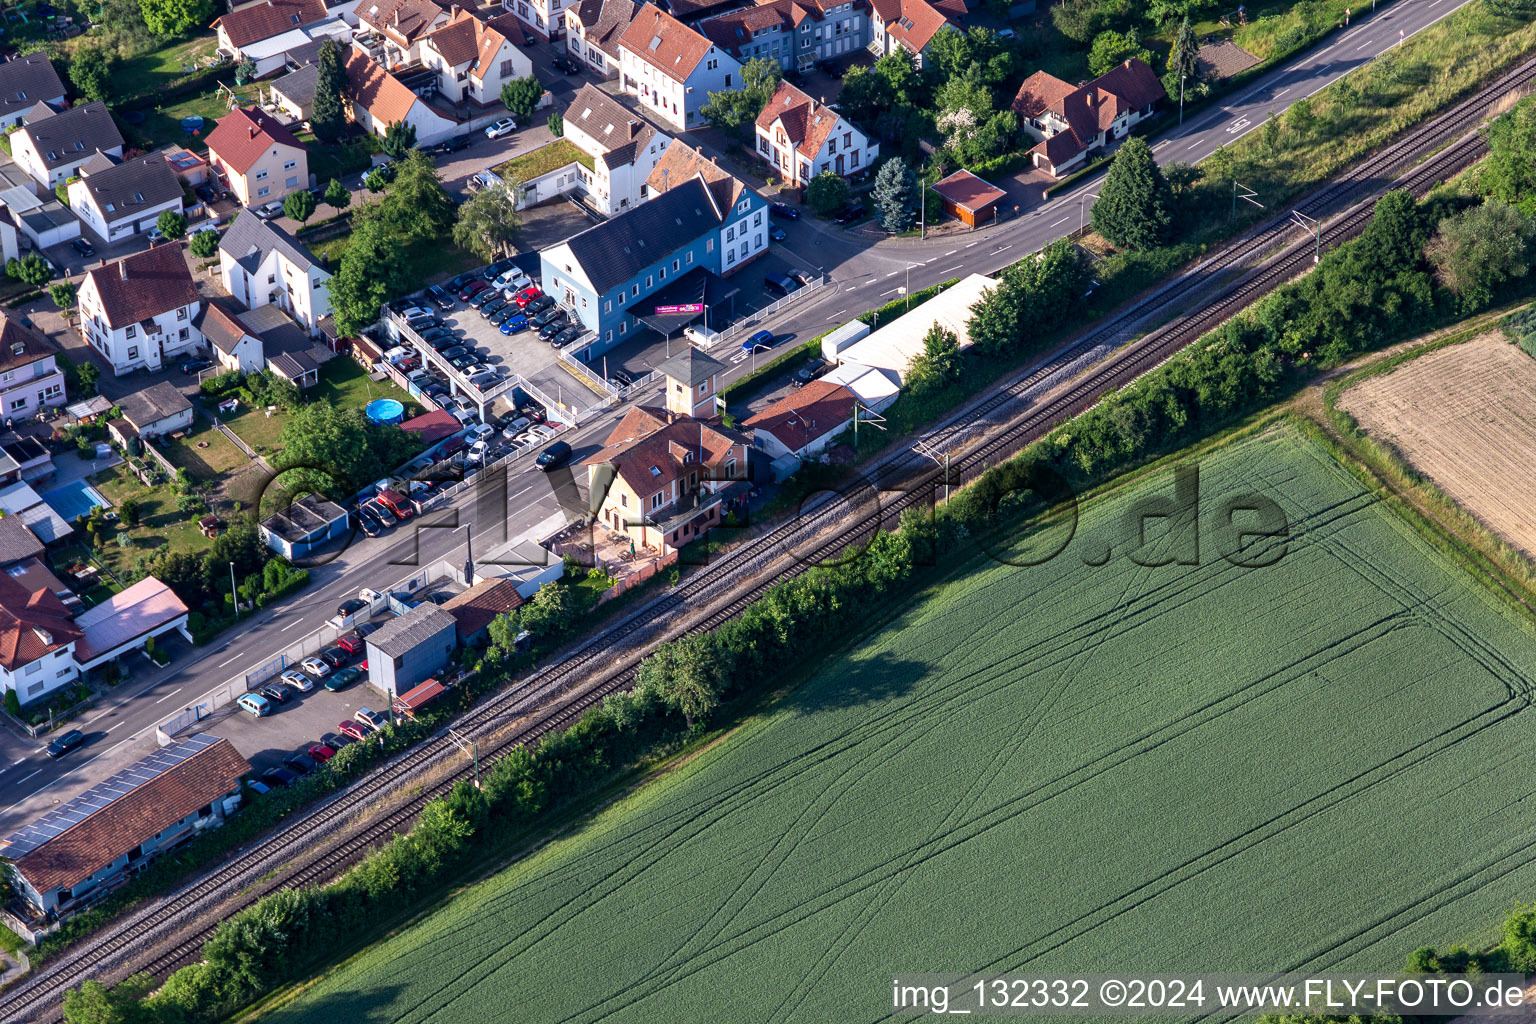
(527, 295)
(322, 752)
(351, 643)
(472, 289)
(351, 728)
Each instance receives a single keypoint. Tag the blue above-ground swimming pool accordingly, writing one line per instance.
(385, 410)
(76, 498)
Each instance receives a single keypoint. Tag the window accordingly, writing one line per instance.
(608, 336)
(656, 500)
(624, 500)
(184, 335)
(33, 691)
(709, 245)
(730, 234)
(689, 257)
(674, 266)
(730, 467)
(650, 281)
(711, 65)
(607, 305)
(623, 328)
(703, 390)
(290, 165)
(260, 175)
(292, 182)
(730, 256)
(847, 140)
(9, 376)
(507, 69)
(727, 81)
(181, 314)
(634, 292)
(131, 331)
(133, 352)
(757, 219)
(263, 190)
(34, 668)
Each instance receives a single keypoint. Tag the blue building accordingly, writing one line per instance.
(304, 526)
(407, 650)
(668, 250)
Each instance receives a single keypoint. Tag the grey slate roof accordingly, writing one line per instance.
(153, 404)
(691, 366)
(621, 132)
(68, 135)
(616, 250)
(27, 81)
(410, 630)
(250, 235)
(138, 184)
(606, 20)
(18, 542)
(299, 86)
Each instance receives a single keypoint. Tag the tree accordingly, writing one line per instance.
(367, 275)
(1184, 58)
(325, 448)
(939, 362)
(1112, 48)
(123, 1003)
(31, 269)
(1302, 118)
(686, 674)
(245, 70)
(487, 222)
(378, 179)
(336, 194)
(205, 244)
(827, 192)
(732, 110)
(172, 224)
(897, 195)
(299, 205)
(90, 70)
(556, 124)
(974, 129)
(1479, 250)
(89, 375)
(1133, 210)
(1509, 169)
(174, 17)
(417, 207)
(329, 116)
(521, 97)
(399, 139)
(62, 294)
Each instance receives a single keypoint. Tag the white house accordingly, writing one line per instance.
(624, 149)
(801, 138)
(259, 158)
(402, 24)
(379, 99)
(1073, 121)
(244, 29)
(51, 145)
(138, 313)
(743, 231)
(472, 59)
(803, 423)
(261, 264)
(30, 378)
(120, 199)
(545, 18)
(672, 68)
(592, 31)
(158, 410)
(25, 82)
(37, 641)
(235, 346)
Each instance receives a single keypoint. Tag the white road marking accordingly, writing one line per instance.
(957, 266)
(26, 777)
(996, 251)
(1282, 92)
(1160, 145)
(167, 697)
(973, 245)
(290, 625)
(226, 661)
(892, 291)
(892, 274)
(839, 313)
(1362, 46)
(111, 727)
(1062, 221)
(951, 252)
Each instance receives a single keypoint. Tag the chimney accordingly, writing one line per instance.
(453, 14)
(122, 269)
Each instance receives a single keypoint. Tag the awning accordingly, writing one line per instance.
(698, 287)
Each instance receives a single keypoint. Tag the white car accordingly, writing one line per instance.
(479, 432)
(315, 667)
(477, 451)
(506, 126)
(372, 719)
(298, 680)
(512, 282)
(542, 432)
(373, 597)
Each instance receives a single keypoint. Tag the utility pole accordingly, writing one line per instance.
(469, 747)
(928, 453)
(1082, 207)
(1312, 226)
(1243, 192)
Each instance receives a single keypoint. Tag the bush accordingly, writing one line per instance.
(12, 702)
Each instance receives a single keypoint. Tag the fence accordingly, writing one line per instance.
(165, 463)
(635, 579)
(755, 318)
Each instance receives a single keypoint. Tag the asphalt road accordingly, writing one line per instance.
(864, 275)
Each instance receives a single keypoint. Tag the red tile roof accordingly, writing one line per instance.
(646, 450)
(1089, 108)
(917, 24)
(143, 285)
(32, 624)
(682, 162)
(474, 609)
(665, 43)
(376, 90)
(263, 21)
(467, 39)
(433, 426)
(243, 135)
(145, 811)
(806, 122)
(802, 417)
(1041, 92)
(404, 21)
(968, 192)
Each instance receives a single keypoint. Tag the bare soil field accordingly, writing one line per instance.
(1464, 416)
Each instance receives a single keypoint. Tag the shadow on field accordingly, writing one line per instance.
(376, 1004)
(859, 681)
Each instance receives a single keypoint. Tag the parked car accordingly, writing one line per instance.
(459, 283)
(351, 607)
(532, 410)
(195, 365)
(300, 764)
(321, 752)
(539, 305)
(553, 326)
(351, 642)
(565, 337)
(761, 341)
(504, 314)
(527, 295)
(623, 378)
(352, 729)
(452, 145)
(335, 657)
(277, 693)
(565, 65)
(484, 297)
(84, 248)
(513, 280)
(255, 704)
(554, 456)
(471, 290)
(298, 680)
(370, 718)
(64, 744)
(343, 679)
(438, 295)
(548, 315)
(423, 321)
(780, 284)
(444, 334)
(259, 788)
(809, 372)
(515, 426)
(315, 667)
(850, 213)
(777, 233)
(506, 126)
(783, 210)
(269, 210)
(485, 380)
(493, 307)
(496, 269)
(275, 777)
(831, 70)
(464, 361)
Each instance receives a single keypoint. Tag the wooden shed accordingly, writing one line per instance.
(969, 198)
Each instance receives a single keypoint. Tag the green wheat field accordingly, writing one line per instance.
(1320, 764)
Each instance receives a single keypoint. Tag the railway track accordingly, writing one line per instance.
(551, 699)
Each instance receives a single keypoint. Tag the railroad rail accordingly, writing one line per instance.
(317, 843)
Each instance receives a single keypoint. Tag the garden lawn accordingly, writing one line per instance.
(204, 452)
(162, 125)
(147, 73)
(161, 524)
(345, 384)
(1050, 769)
(425, 262)
(255, 427)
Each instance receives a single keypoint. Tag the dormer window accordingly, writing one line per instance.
(138, 197)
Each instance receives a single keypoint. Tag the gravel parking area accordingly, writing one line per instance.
(307, 718)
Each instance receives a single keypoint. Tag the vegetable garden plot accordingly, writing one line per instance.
(1059, 768)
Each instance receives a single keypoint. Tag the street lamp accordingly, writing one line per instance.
(1082, 208)
(234, 595)
(1181, 99)
(1316, 226)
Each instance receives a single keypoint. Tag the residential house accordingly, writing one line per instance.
(803, 423)
(796, 33)
(25, 82)
(912, 24)
(379, 99)
(743, 232)
(157, 410)
(592, 31)
(261, 264)
(289, 350)
(259, 158)
(273, 53)
(51, 145)
(475, 609)
(672, 68)
(624, 149)
(607, 273)
(31, 456)
(30, 378)
(116, 200)
(294, 93)
(235, 347)
(402, 24)
(244, 29)
(17, 544)
(138, 312)
(801, 138)
(663, 478)
(304, 526)
(84, 848)
(543, 18)
(472, 59)
(1073, 121)
(693, 383)
(410, 648)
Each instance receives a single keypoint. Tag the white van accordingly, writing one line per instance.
(701, 336)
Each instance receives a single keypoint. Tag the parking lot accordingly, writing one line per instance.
(307, 718)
